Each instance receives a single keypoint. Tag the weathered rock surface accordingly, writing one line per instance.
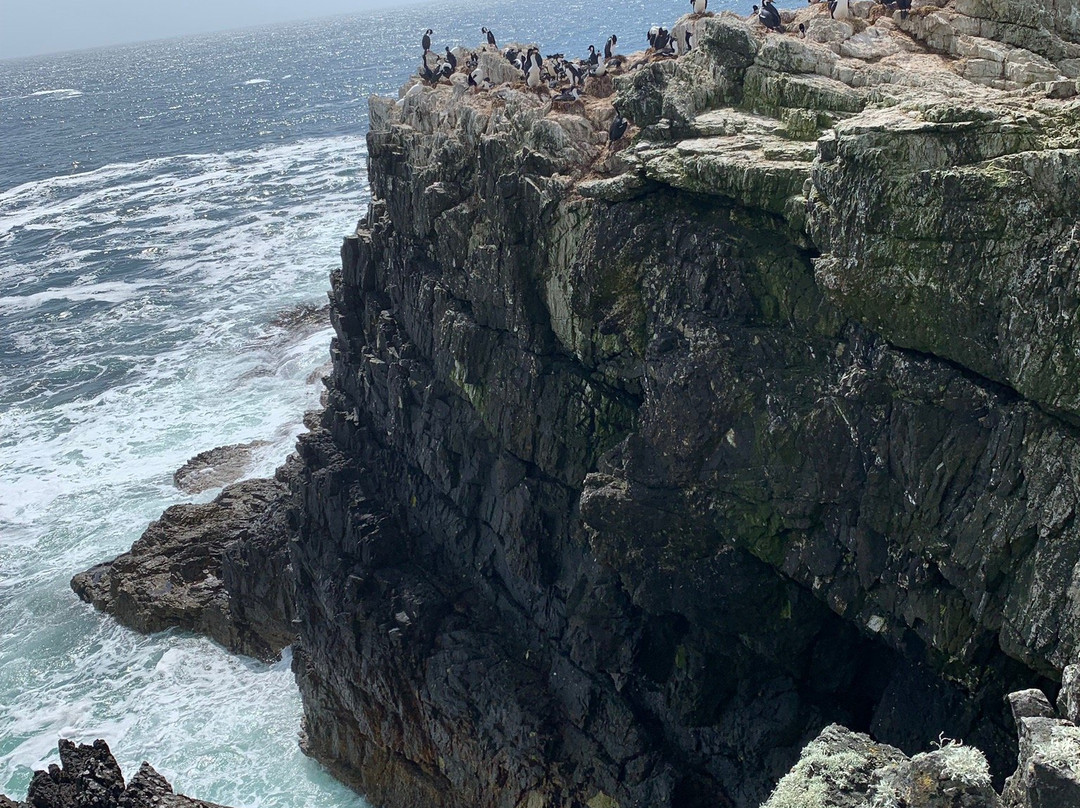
(845, 769)
(640, 466)
(89, 777)
(219, 569)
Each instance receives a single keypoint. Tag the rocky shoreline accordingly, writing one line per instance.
(639, 466)
(89, 777)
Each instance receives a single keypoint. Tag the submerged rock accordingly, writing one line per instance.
(215, 467)
(89, 777)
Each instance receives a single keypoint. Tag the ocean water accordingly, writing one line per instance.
(162, 205)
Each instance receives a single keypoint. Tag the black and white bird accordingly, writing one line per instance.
(426, 40)
(567, 95)
(689, 40)
(618, 127)
(490, 37)
(479, 80)
(577, 74)
(609, 46)
(451, 59)
(533, 68)
(660, 39)
(699, 5)
(769, 16)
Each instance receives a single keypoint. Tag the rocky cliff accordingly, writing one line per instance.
(641, 465)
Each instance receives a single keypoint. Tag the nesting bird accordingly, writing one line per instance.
(660, 40)
(769, 16)
(609, 46)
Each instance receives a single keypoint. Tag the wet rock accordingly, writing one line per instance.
(194, 569)
(302, 318)
(215, 467)
(89, 777)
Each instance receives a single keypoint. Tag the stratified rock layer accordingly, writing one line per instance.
(641, 465)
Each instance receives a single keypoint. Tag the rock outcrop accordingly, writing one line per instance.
(845, 769)
(219, 569)
(640, 465)
(89, 777)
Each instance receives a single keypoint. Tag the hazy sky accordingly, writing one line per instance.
(45, 26)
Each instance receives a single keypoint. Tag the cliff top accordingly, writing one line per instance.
(761, 99)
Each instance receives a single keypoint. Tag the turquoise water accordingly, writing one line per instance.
(160, 205)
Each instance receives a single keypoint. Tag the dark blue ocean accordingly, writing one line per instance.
(161, 206)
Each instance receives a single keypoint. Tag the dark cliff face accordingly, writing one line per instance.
(631, 481)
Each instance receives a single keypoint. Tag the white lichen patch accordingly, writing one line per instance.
(963, 764)
(837, 762)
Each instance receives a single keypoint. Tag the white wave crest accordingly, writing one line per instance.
(64, 92)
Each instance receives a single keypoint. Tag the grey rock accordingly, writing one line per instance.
(215, 467)
(1030, 703)
(845, 769)
(838, 769)
(1068, 700)
(588, 496)
(1048, 770)
(194, 569)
